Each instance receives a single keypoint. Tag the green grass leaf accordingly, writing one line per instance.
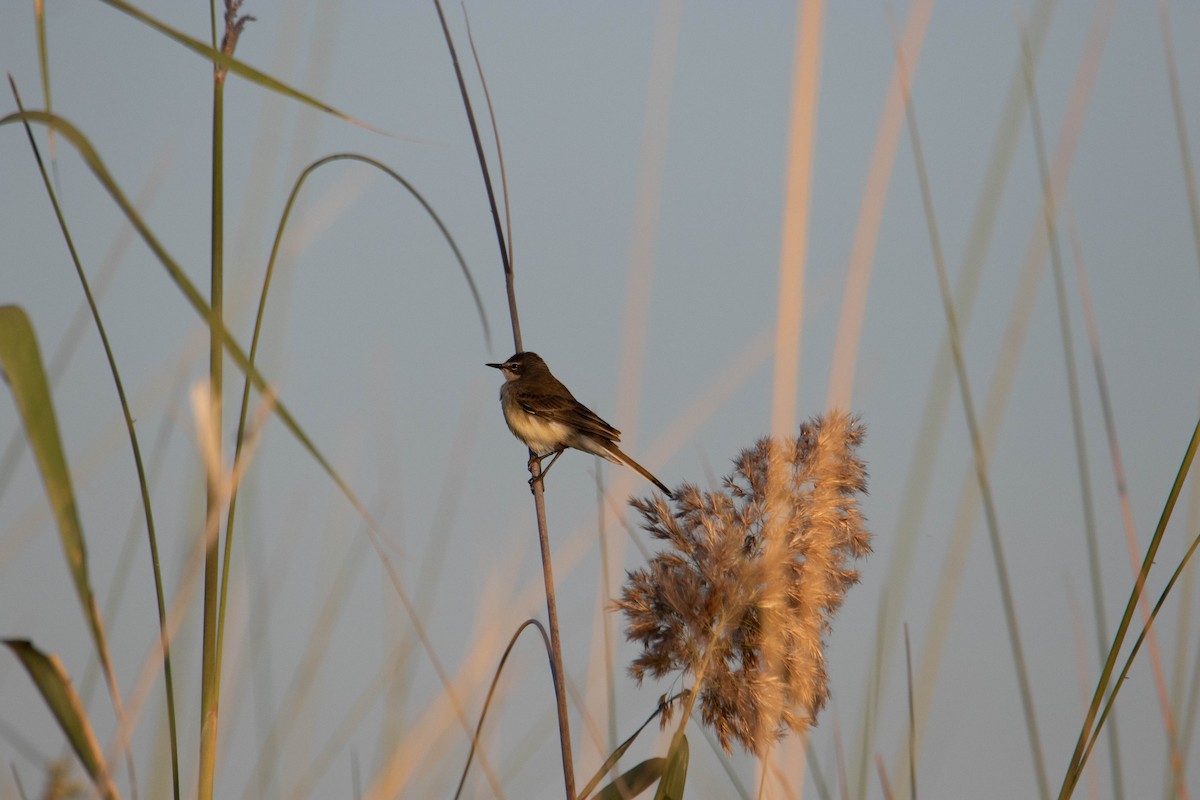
(675, 775)
(54, 684)
(22, 363)
(633, 781)
(88, 153)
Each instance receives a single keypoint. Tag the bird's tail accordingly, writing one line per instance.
(645, 473)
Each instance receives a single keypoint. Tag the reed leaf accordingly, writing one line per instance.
(186, 287)
(55, 685)
(675, 773)
(633, 781)
(231, 64)
(23, 370)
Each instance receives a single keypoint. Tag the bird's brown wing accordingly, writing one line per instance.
(563, 407)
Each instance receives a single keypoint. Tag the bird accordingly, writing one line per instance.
(543, 414)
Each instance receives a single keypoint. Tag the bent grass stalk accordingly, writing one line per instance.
(260, 316)
(93, 611)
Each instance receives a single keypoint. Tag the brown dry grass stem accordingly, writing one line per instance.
(560, 694)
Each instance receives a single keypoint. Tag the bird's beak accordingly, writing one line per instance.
(497, 366)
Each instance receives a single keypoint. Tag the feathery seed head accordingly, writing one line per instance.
(742, 599)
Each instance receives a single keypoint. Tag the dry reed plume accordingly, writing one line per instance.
(742, 600)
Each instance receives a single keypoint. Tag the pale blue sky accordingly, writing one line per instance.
(373, 342)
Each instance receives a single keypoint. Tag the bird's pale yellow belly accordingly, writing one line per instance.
(540, 435)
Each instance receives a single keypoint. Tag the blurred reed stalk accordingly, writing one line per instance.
(977, 447)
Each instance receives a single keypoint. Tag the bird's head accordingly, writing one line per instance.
(521, 364)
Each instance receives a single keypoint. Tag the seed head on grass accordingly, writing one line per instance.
(741, 601)
(234, 23)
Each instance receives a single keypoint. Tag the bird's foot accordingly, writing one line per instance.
(540, 477)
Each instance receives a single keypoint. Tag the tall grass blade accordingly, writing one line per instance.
(981, 469)
(1075, 768)
(186, 287)
(211, 634)
(1188, 710)
(487, 181)
(1105, 396)
(223, 61)
(487, 96)
(260, 316)
(934, 408)
(58, 361)
(1050, 214)
(21, 362)
(54, 684)
(1179, 786)
(1005, 370)
(39, 13)
(850, 322)
(141, 474)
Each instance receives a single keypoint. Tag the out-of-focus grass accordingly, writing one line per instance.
(434, 743)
